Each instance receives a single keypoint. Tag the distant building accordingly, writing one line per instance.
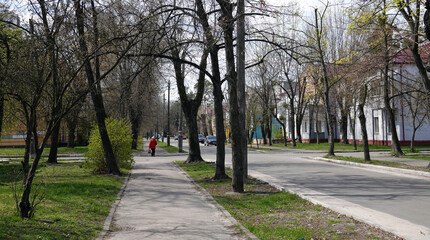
(404, 73)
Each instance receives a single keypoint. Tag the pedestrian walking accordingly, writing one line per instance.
(152, 145)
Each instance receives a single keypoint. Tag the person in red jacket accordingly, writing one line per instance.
(152, 145)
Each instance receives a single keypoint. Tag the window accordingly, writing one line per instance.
(376, 124)
(305, 126)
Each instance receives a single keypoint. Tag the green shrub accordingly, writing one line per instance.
(120, 137)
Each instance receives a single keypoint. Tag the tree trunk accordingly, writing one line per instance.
(317, 129)
(413, 140)
(211, 131)
(25, 208)
(204, 124)
(226, 21)
(1, 113)
(240, 53)
(220, 131)
(71, 130)
(292, 123)
(344, 126)
(194, 154)
(329, 114)
(299, 128)
(190, 107)
(395, 145)
(352, 126)
(135, 119)
(96, 93)
(55, 138)
(217, 92)
(269, 132)
(263, 133)
(362, 119)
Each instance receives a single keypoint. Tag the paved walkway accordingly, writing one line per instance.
(161, 202)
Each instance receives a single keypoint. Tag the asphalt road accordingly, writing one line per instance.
(392, 201)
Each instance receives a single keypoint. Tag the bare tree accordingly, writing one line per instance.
(190, 107)
(362, 118)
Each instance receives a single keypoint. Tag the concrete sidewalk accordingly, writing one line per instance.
(161, 202)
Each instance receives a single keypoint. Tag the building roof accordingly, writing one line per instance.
(405, 56)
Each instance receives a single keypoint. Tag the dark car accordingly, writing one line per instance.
(201, 138)
(210, 140)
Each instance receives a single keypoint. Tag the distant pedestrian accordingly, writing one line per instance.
(152, 145)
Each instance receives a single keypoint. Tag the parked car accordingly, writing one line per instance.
(183, 137)
(201, 138)
(210, 140)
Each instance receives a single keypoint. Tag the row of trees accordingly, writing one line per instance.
(335, 58)
(116, 53)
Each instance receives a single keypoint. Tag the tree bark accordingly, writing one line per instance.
(395, 145)
(240, 54)
(362, 119)
(53, 151)
(226, 21)
(292, 123)
(352, 124)
(71, 130)
(344, 126)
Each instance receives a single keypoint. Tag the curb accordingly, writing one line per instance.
(370, 166)
(209, 197)
(114, 206)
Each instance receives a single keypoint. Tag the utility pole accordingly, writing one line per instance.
(180, 139)
(240, 53)
(168, 113)
(162, 123)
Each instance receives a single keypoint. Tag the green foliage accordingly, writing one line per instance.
(121, 139)
(75, 205)
(169, 149)
(278, 133)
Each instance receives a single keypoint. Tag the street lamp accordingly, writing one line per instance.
(168, 113)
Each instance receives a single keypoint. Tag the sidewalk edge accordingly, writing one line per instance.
(389, 169)
(248, 234)
(109, 219)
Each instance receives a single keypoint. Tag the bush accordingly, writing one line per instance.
(120, 137)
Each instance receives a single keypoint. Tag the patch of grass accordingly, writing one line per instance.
(377, 162)
(61, 150)
(264, 149)
(75, 207)
(169, 149)
(416, 156)
(271, 214)
(337, 146)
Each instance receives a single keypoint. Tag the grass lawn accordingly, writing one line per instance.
(417, 156)
(377, 162)
(270, 214)
(61, 150)
(75, 206)
(337, 146)
(169, 149)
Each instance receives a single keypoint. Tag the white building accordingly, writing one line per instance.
(404, 74)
